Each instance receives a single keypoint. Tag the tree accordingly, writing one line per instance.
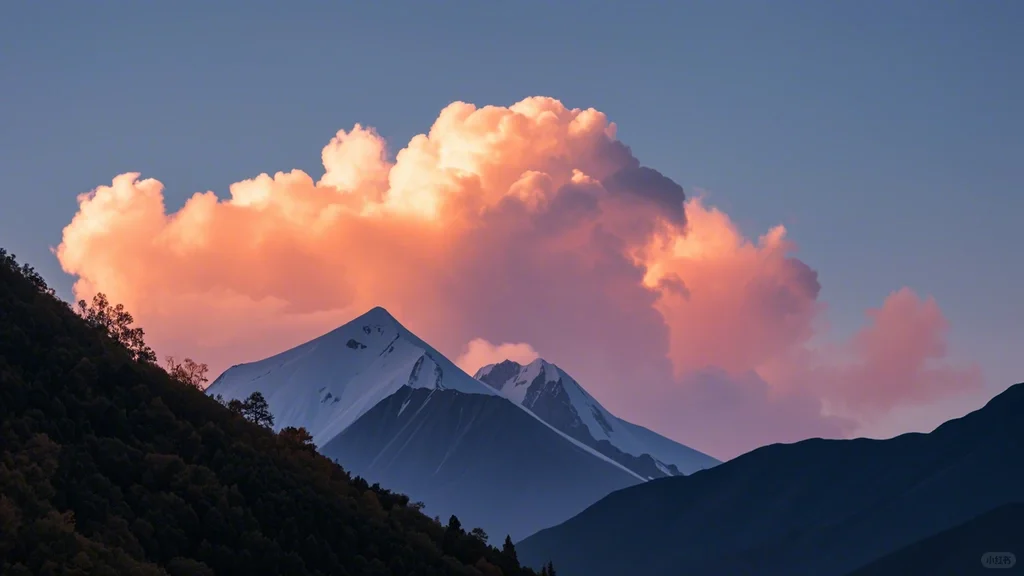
(117, 323)
(509, 549)
(188, 372)
(173, 484)
(454, 525)
(300, 436)
(29, 273)
(452, 534)
(479, 534)
(236, 406)
(256, 410)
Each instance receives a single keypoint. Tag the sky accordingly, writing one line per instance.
(734, 223)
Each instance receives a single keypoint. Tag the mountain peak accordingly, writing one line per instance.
(377, 314)
(491, 373)
(327, 383)
(558, 399)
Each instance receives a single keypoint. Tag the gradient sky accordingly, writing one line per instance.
(887, 137)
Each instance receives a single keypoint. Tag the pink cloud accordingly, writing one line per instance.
(480, 353)
(899, 358)
(530, 223)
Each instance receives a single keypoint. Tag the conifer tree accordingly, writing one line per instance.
(256, 410)
(509, 549)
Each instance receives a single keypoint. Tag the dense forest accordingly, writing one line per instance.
(113, 465)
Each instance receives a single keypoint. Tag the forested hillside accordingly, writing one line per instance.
(110, 466)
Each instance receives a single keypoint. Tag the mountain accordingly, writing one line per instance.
(814, 508)
(327, 383)
(975, 547)
(558, 399)
(108, 466)
(476, 456)
(387, 406)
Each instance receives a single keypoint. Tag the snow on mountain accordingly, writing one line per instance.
(555, 397)
(326, 384)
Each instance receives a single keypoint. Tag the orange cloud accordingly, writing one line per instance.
(530, 223)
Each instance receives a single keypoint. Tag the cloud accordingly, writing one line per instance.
(480, 353)
(528, 223)
(904, 342)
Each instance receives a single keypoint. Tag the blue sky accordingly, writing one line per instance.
(887, 136)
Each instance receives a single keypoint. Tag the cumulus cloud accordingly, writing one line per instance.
(528, 223)
(480, 353)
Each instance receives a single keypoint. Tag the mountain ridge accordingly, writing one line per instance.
(557, 398)
(815, 508)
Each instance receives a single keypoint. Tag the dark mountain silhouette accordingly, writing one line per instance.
(479, 457)
(814, 508)
(108, 466)
(975, 547)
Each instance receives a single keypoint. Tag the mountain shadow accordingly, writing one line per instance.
(479, 457)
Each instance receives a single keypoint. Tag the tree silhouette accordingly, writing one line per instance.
(509, 549)
(188, 372)
(300, 436)
(479, 534)
(256, 410)
(117, 323)
(453, 524)
(110, 466)
(452, 534)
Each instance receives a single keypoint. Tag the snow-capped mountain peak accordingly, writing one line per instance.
(557, 398)
(327, 383)
(386, 405)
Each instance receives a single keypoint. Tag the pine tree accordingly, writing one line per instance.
(509, 549)
(256, 410)
(454, 525)
(452, 533)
